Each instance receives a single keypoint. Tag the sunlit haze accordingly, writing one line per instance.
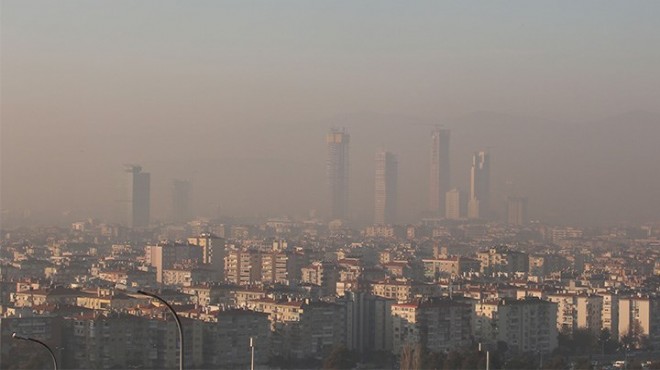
(236, 98)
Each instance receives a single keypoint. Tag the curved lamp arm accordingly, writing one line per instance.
(178, 323)
(52, 354)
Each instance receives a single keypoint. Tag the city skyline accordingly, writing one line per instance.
(555, 96)
(293, 184)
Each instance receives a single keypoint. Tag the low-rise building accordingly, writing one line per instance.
(404, 290)
(502, 259)
(449, 266)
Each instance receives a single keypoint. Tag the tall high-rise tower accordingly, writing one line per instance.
(456, 204)
(516, 210)
(479, 202)
(139, 196)
(440, 180)
(180, 201)
(337, 171)
(385, 188)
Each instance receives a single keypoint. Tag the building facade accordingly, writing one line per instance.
(526, 325)
(516, 211)
(139, 196)
(181, 211)
(440, 179)
(385, 188)
(337, 169)
(479, 202)
(438, 325)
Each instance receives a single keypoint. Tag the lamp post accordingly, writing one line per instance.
(52, 354)
(487, 357)
(251, 353)
(178, 323)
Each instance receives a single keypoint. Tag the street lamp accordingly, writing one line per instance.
(251, 353)
(52, 354)
(178, 323)
(487, 357)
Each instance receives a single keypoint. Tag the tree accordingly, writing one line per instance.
(556, 362)
(523, 361)
(582, 363)
(378, 359)
(340, 358)
(454, 360)
(633, 338)
(606, 343)
(412, 357)
(471, 360)
(434, 360)
(583, 341)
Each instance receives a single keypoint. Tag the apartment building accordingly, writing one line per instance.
(243, 267)
(403, 291)
(165, 255)
(566, 311)
(645, 311)
(323, 274)
(589, 313)
(275, 267)
(610, 313)
(502, 259)
(368, 321)
(14, 353)
(438, 325)
(526, 325)
(227, 340)
(449, 266)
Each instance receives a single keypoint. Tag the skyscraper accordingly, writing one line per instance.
(139, 196)
(337, 171)
(440, 180)
(516, 210)
(180, 201)
(385, 188)
(455, 204)
(478, 205)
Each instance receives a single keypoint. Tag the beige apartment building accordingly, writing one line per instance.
(590, 312)
(502, 259)
(243, 267)
(646, 311)
(403, 290)
(275, 268)
(566, 311)
(449, 266)
(610, 313)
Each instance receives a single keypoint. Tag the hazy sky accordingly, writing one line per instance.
(237, 95)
